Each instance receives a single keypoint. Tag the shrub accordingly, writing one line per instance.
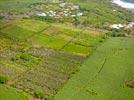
(47, 18)
(116, 33)
(1, 17)
(39, 94)
(130, 83)
(25, 57)
(3, 79)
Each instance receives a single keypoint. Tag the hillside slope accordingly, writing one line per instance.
(103, 75)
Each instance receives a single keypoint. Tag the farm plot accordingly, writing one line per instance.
(9, 71)
(103, 76)
(8, 93)
(18, 58)
(44, 56)
(23, 29)
(14, 32)
(89, 38)
(44, 34)
(33, 25)
(49, 41)
(77, 49)
(4, 43)
(46, 79)
(62, 31)
(14, 60)
(68, 39)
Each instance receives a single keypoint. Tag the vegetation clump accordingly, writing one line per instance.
(130, 83)
(39, 94)
(116, 33)
(3, 79)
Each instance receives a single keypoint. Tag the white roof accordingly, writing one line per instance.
(42, 14)
(117, 26)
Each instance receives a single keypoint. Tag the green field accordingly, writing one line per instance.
(8, 93)
(103, 75)
(39, 57)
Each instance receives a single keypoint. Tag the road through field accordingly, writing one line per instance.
(103, 75)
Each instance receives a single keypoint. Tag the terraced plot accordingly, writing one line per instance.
(40, 34)
(103, 75)
(24, 29)
(49, 76)
(39, 54)
(40, 60)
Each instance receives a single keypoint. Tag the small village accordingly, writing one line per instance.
(122, 26)
(57, 9)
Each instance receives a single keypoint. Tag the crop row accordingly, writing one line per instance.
(56, 68)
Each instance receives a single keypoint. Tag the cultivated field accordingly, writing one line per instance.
(103, 75)
(8, 93)
(41, 56)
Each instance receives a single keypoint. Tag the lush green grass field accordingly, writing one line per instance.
(8, 93)
(103, 75)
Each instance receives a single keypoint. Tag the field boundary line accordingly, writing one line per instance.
(70, 40)
(102, 65)
(89, 81)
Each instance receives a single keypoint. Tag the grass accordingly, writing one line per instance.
(103, 75)
(16, 33)
(32, 25)
(89, 38)
(8, 93)
(17, 6)
(23, 29)
(77, 49)
(49, 41)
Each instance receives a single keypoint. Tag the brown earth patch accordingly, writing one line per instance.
(130, 82)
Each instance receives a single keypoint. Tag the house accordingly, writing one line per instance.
(53, 1)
